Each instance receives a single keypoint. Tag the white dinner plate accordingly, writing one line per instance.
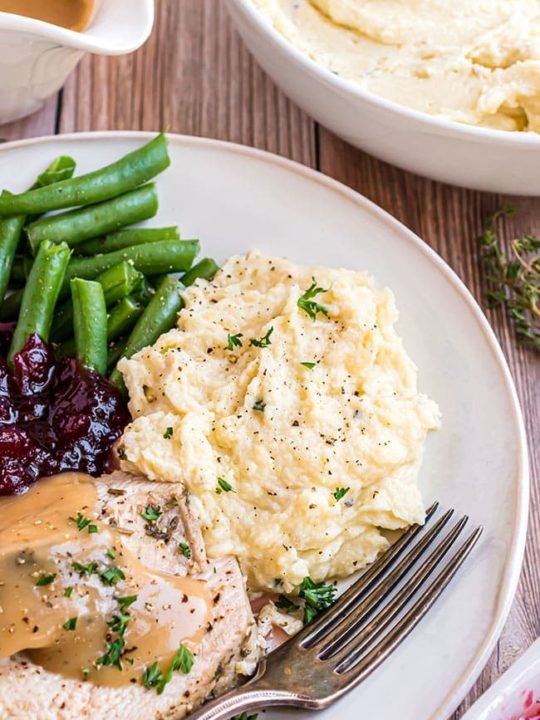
(234, 198)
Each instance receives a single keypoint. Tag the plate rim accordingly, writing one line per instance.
(513, 565)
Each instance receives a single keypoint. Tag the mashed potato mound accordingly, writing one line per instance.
(267, 438)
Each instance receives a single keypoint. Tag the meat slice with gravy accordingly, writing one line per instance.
(109, 606)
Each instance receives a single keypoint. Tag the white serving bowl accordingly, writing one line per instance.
(475, 157)
(512, 694)
(36, 57)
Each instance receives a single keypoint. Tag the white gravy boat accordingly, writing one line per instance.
(36, 57)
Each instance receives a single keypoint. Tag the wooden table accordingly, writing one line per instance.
(194, 76)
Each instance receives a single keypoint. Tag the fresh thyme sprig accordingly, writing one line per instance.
(514, 282)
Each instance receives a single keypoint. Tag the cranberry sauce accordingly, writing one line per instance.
(54, 416)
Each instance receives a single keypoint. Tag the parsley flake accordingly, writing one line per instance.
(264, 341)
(70, 624)
(68, 592)
(112, 575)
(88, 569)
(316, 597)
(223, 486)
(45, 579)
(152, 513)
(84, 523)
(306, 303)
(110, 554)
(234, 341)
(185, 550)
(153, 677)
(340, 493)
(168, 433)
(283, 603)
(259, 405)
(245, 716)
(309, 365)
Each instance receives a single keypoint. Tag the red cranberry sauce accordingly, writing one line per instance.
(54, 416)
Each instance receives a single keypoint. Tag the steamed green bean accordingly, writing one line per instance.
(205, 268)
(126, 238)
(90, 324)
(76, 226)
(127, 173)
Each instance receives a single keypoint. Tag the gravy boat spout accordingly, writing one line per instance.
(36, 57)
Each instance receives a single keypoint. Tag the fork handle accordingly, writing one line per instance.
(238, 701)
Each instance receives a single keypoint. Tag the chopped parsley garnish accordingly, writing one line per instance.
(245, 716)
(168, 433)
(340, 493)
(264, 341)
(85, 673)
(112, 575)
(88, 569)
(45, 579)
(118, 624)
(259, 405)
(223, 486)
(152, 513)
(70, 624)
(153, 677)
(185, 550)
(110, 554)
(68, 592)
(84, 523)
(309, 365)
(306, 303)
(234, 341)
(283, 603)
(316, 597)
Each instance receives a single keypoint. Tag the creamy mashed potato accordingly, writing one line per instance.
(474, 62)
(267, 439)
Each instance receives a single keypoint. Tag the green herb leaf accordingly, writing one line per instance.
(168, 433)
(259, 405)
(264, 341)
(306, 303)
(316, 596)
(245, 716)
(184, 548)
(126, 601)
(112, 575)
(88, 569)
(234, 341)
(152, 513)
(84, 523)
(113, 656)
(514, 282)
(283, 603)
(70, 624)
(340, 493)
(68, 592)
(223, 486)
(110, 554)
(309, 365)
(45, 579)
(151, 676)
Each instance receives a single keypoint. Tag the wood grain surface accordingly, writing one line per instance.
(195, 76)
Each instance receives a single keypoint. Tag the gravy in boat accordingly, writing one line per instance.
(72, 14)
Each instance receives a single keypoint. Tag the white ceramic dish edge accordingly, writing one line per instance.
(475, 157)
(517, 543)
(507, 694)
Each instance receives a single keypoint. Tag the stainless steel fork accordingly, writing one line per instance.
(352, 638)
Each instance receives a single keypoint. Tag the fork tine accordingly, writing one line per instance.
(353, 595)
(361, 607)
(354, 673)
(361, 637)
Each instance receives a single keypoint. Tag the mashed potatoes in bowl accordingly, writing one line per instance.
(287, 406)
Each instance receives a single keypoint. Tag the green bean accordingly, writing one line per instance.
(61, 168)
(151, 259)
(116, 350)
(126, 174)
(40, 295)
(76, 226)
(117, 282)
(9, 309)
(10, 234)
(206, 269)
(126, 238)
(90, 324)
(159, 316)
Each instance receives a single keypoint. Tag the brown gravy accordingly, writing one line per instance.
(41, 592)
(72, 14)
